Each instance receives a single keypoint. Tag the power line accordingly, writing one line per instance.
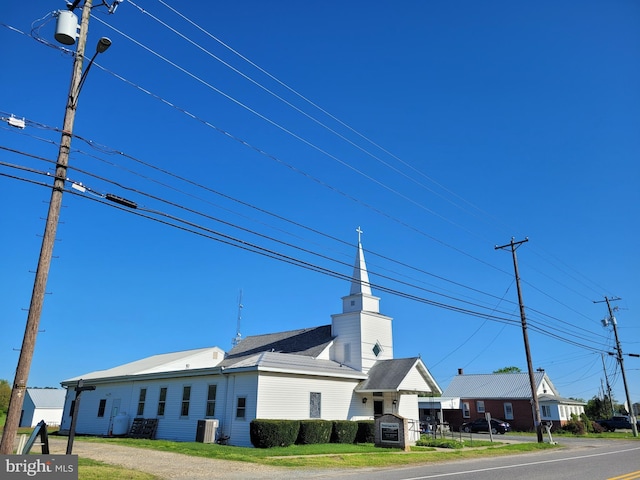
(200, 230)
(404, 224)
(35, 35)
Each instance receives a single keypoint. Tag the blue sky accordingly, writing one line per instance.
(442, 129)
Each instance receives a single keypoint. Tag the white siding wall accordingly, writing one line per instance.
(414, 381)
(376, 328)
(171, 426)
(286, 397)
(241, 385)
(28, 411)
(408, 408)
(346, 329)
(88, 421)
(362, 330)
(51, 416)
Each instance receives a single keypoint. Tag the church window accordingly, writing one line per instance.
(315, 400)
(211, 401)
(377, 349)
(162, 401)
(141, 400)
(241, 408)
(186, 398)
(101, 407)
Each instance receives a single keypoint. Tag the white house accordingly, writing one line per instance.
(341, 371)
(42, 404)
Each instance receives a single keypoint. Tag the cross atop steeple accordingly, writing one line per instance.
(360, 232)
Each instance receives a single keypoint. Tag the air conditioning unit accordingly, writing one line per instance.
(206, 432)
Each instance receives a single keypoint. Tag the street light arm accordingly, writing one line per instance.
(103, 44)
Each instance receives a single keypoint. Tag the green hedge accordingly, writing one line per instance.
(273, 433)
(344, 431)
(366, 431)
(282, 433)
(314, 431)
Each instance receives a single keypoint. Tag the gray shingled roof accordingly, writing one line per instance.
(292, 362)
(387, 375)
(492, 385)
(309, 342)
(562, 400)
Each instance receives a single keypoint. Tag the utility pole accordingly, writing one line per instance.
(534, 393)
(612, 319)
(606, 378)
(46, 251)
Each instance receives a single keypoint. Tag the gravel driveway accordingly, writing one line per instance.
(169, 465)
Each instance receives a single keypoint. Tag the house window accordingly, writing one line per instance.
(480, 406)
(211, 401)
(314, 404)
(241, 408)
(377, 349)
(186, 396)
(101, 407)
(141, 399)
(162, 401)
(546, 410)
(508, 411)
(466, 412)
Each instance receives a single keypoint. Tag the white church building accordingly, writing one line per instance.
(341, 371)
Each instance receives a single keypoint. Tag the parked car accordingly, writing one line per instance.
(481, 425)
(619, 422)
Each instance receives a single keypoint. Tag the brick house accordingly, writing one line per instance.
(506, 396)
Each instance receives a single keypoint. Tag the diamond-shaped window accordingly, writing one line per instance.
(377, 349)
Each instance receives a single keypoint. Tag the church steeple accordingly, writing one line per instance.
(360, 297)
(360, 278)
(362, 334)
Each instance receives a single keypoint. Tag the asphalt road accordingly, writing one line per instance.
(580, 459)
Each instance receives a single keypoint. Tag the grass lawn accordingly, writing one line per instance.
(314, 456)
(326, 455)
(92, 470)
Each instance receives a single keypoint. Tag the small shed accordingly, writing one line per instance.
(42, 404)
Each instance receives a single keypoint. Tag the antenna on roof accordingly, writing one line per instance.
(236, 340)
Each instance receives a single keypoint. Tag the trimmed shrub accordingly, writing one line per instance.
(439, 442)
(344, 431)
(574, 426)
(366, 431)
(314, 431)
(273, 433)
